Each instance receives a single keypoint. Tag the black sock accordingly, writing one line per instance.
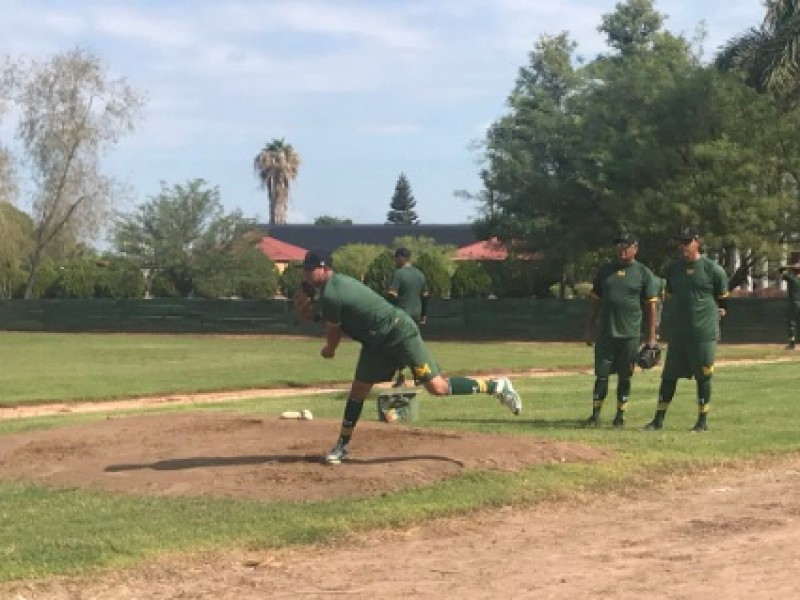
(599, 395)
(666, 392)
(352, 412)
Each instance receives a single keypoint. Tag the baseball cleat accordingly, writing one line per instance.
(508, 396)
(591, 422)
(653, 426)
(618, 421)
(699, 428)
(337, 455)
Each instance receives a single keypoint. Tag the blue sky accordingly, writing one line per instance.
(363, 89)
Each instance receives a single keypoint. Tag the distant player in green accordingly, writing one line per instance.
(408, 290)
(388, 337)
(697, 290)
(790, 276)
(622, 290)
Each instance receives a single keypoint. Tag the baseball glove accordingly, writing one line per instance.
(649, 356)
(303, 300)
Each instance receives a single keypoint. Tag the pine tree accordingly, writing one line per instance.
(403, 204)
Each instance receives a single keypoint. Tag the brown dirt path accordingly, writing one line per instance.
(725, 535)
(143, 402)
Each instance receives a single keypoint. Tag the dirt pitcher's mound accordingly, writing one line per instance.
(260, 457)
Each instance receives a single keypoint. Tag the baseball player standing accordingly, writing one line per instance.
(621, 289)
(697, 289)
(408, 290)
(790, 276)
(388, 337)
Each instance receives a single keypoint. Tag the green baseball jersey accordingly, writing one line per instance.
(792, 286)
(407, 288)
(362, 314)
(693, 289)
(623, 289)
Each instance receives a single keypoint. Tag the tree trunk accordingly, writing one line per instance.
(36, 260)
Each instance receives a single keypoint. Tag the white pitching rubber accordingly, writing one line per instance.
(296, 414)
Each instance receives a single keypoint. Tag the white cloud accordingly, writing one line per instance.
(159, 30)
(380, 23)
(397, 85)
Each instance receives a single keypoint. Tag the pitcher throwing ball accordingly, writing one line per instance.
(389, 337)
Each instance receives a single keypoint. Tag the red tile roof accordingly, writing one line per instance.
(486, 250)
(277, 250)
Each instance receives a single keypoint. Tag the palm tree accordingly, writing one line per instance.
(769, 56)
(276, 167)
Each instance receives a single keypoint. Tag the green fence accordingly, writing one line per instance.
(749, 320)
(151, 316)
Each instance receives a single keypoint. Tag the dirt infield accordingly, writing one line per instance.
(238, 455)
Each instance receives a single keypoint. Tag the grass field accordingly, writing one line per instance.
(44, 367)
(44, 531)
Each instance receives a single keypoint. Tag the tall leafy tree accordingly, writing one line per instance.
(277, 166)
(532, 156)
(71, 111)
(633, 27)
(402, 204)
(184, 240)
(626, 125)
(641, 138)
(733, 177)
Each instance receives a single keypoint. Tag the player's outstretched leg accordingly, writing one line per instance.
(502, 389)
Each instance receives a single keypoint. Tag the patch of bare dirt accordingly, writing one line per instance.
(239, 455)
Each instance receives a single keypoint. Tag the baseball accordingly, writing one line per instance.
(306, 414)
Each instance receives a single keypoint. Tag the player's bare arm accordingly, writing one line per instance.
(651, 310)
(333, 335)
